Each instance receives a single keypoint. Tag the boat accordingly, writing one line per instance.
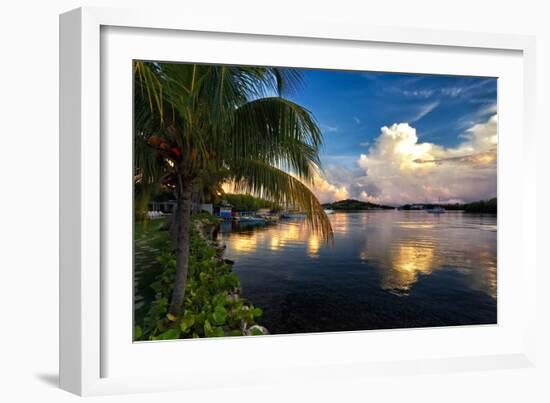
(271, 218)
(329, 211)
(293, 215)
(437, 209)
(250, 219)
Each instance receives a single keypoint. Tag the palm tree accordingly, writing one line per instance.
(193, 119)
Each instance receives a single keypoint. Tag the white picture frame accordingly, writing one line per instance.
(86, 325)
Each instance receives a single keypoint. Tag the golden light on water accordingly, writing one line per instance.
(273, 238)
(408, 262)
(275, 242)
(313, 246)
(282, 235)
(486, 280)
(340, 222)
(244, 244)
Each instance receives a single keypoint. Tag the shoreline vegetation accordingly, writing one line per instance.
(478, 207)
(481, 206)
(245, 202)
(352, 204)
(213, 305)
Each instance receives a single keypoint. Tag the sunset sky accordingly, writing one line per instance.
(403, 138)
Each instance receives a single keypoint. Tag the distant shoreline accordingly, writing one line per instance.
(409, 211)
(481, 206)
(355, 205)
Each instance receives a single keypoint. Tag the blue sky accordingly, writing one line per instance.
(403, 138)
(351, 107)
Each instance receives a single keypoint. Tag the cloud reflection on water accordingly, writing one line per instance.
(402, 246)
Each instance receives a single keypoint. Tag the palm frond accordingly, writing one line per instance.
(147, 173)
(265, 181)
(148, 87)
(278, 131)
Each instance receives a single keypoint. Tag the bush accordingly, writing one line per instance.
(212, 307)
(243, 202)
(482, 206)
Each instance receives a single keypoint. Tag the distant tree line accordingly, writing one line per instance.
(481, 206)
(352, 204)
(244, 202)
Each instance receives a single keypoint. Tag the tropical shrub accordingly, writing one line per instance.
(244, 202)
(482, 206)
(213, 305)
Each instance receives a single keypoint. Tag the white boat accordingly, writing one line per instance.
(436, 210)
(329, 211)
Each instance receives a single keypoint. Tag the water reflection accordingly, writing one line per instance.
(443, 266)
(405, 250)
(246, 243)
(407, 263)
(313, 245)
(402, 251)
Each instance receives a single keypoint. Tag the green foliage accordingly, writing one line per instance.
(205, 218)
(478, 207)
(212, 306)
(137, 332)
(255, 332)
(245, 202)
(351, 204)
(482, 206)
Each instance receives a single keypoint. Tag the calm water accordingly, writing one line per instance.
(386, 269)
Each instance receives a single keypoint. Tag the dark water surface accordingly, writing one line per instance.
(385, 269)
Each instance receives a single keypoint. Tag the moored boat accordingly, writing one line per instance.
(250, 219)
(436, 210)
(293, 215)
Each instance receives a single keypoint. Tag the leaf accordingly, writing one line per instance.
(219, 299)
(233, 279)
(170, 334)
(187, 321)
(137, 333)
(220, 315)
(207, 328)
(255, 332)
(156, 286)
(218, 332)
(257, 312)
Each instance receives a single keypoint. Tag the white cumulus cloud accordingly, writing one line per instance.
(398, 168)
(405, 170)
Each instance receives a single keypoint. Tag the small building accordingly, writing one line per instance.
(167, 207)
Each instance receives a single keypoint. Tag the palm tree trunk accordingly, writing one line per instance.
(182, 245)
(173, 229)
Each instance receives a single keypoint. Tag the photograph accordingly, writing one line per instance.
(275, 200)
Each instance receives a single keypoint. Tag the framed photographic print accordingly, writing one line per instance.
(268, 198)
